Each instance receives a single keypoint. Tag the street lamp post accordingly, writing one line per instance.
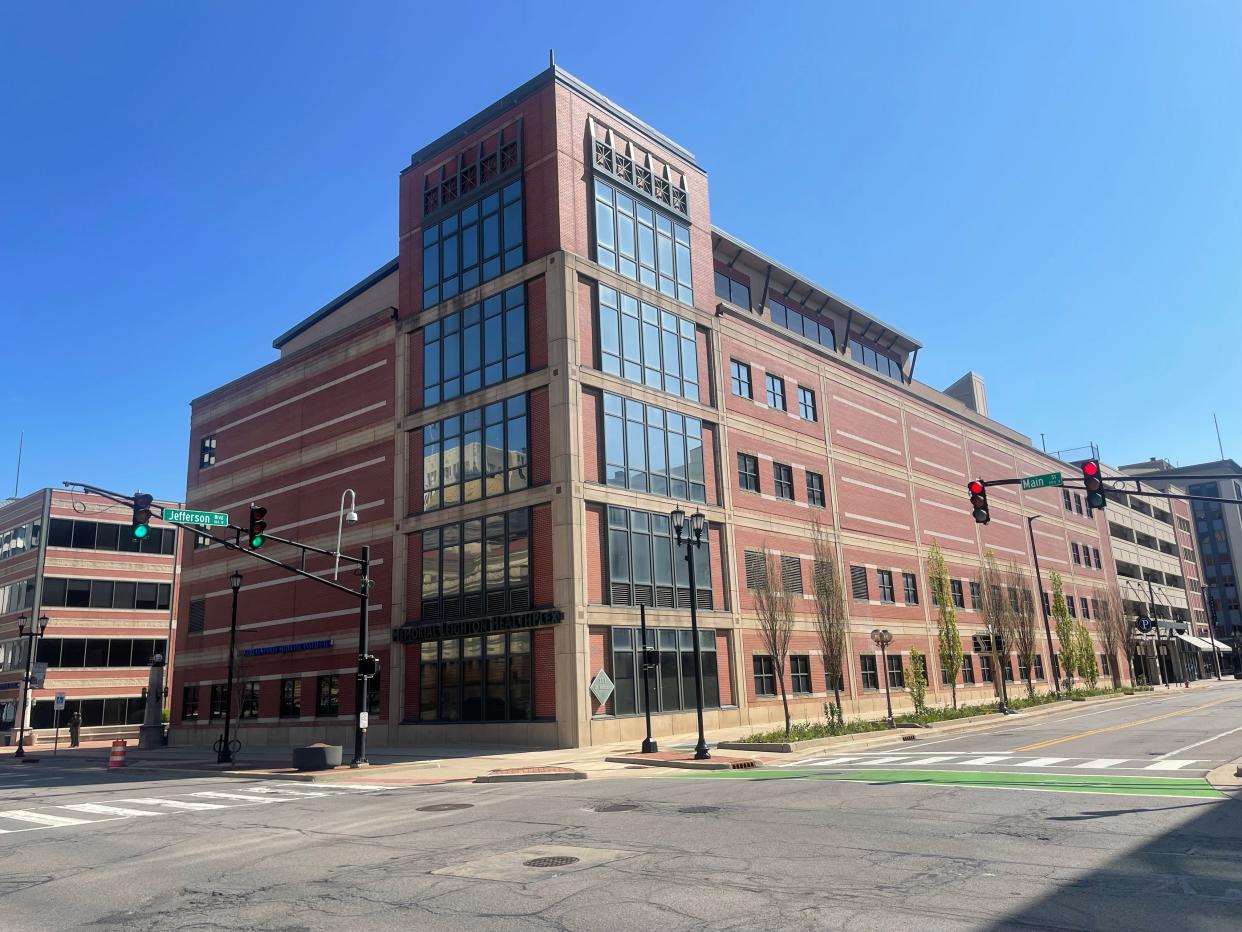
(1039, 580)
(882, 639)
(224, 750)
(32, 636)
(693, 541)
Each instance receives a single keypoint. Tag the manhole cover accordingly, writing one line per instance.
(616, 807)
(560, 861)
(699, 809)
(445, 807)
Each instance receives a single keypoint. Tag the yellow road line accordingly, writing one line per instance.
(1107, 728)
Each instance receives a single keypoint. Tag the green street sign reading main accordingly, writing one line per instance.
(1041, 482)
(207, 518)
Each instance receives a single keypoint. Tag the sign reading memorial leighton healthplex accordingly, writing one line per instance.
(435, 630)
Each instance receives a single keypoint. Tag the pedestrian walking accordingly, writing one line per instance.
(75, 729)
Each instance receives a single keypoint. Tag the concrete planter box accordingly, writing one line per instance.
(317, 757)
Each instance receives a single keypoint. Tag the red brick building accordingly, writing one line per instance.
(564, 351)
(109, 599)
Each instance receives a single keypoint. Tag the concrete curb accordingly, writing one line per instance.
(899, 735)
(531, 775)
(1227, 777)
(730, 763)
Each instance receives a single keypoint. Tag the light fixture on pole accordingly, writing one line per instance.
(343, 518)
(882, 638)
(224, 746)
(693, 540)
(31, 635)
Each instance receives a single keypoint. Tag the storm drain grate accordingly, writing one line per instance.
(698, 809)
(445, 807)
(616, 807)
(559, 861)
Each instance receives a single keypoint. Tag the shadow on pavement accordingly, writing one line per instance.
(1188, 878)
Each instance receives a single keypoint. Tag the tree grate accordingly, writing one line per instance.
(558, 861)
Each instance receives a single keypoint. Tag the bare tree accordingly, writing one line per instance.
(997, 615)
(1023, 627)
(1110, 622)
(831, 620)
(775, 608)
(948, 640)
(1065, 633)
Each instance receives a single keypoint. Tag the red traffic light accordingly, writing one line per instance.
(1090, 468)
(978, 501)
(975, 487)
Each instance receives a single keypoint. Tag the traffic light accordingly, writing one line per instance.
(978, 501)
(142, 515)
(258, 526)
(1093, 482)
(368, 665)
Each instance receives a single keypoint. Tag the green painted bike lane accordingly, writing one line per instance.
(1181, 787)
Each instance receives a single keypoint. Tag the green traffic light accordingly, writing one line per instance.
(256, 542)
(140, 531)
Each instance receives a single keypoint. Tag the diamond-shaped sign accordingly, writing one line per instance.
(601, 687)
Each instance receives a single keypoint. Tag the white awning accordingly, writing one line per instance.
(1219, 644)
(1194, 642)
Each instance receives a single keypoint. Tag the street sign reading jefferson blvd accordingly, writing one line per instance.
(208, 518)
(1041, 482)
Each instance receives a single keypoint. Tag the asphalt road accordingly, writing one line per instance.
(771, 849)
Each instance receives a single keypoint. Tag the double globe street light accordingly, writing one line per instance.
(32, 635)
(694, 540)
(882, 638)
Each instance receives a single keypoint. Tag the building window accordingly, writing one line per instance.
(1074, 553)
(985, 668)
(1065, 497)
(1039, 667)
(1082, 603)
(815, 490)
(733, 291)
(968, 670)
(483, 345)
(642, 244)
(803, 324)
(473, 245)
(327, 695)
(739, 376)
(806, 404)
(1047, 602)
(776, 392)
(122, 710)
(189, 703)
(876, 359)
(250, 700)
(870, 675)
(911, 584)
(1069, 603)
(477, 567)
(765, 677)
(955, 587)
(1095, 552)
(1106, 667)
(291, 697)
(671, 683)
(219, 700)
(646, 568)
(896, 671)
(782, 480)
(475, 455)
(858, 584)
(652, 450)
(791, 574)
(647, 345)
(800, 675)
(198, 616)
(885, 579)
(106, 535)
(1006, 666)
(1077, 503)
(101, 593)
(207, 451)
(975, 598)
(748, 472)
(485, 678)
(21, 540)
(99, 653)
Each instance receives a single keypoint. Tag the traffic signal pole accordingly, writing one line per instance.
(360, 682)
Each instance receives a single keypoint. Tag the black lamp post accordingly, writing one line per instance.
(882, 639)
(32, 635)
(693, 541)
(224, 751)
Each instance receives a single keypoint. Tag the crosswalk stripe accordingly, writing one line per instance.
(820, 762)
(43, 818)
(1043, 761)
(175, 804)
(991, 759)
(281, 791)
(250, 799)
(887, 760)
(1169, 764)
(97, 809)
(932, 760)
(1101, 762)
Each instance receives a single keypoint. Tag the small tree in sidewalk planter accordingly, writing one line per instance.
(1115, 632)
(1023, 625)
(1065, 632)
(916, 683)
(1084, 655)
(775, 608)
(831, 620)
(948, 640)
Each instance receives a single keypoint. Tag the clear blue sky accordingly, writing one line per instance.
(185, 181)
